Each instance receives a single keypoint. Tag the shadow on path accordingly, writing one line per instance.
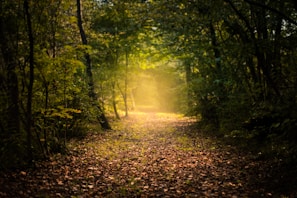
(146, 155)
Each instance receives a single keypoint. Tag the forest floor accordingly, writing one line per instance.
(151, 155)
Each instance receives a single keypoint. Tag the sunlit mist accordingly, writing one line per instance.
(154, 91)
(146, 94)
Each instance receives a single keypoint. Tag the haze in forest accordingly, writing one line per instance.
(153, 94)
(67, 67)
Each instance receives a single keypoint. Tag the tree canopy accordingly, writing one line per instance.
(65, 64)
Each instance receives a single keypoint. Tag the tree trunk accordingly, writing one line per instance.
(126, 84)
(213, 111)
(114, 103)
(132, 100)
(264, 56)
(188, 71)
(31, 81)
(218, 70)
(101, 117)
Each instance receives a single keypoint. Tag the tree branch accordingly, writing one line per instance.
(272, 10)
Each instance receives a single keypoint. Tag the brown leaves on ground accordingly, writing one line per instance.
(146, 155)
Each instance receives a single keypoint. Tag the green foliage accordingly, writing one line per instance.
(233, 64)
(60, 112)
(235, 75)
(60, 105)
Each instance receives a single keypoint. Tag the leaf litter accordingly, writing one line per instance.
(147, 155)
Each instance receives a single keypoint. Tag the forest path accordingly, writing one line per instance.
(146, 155)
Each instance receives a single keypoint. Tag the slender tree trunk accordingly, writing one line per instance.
(101, 117)
(46, 85)
(126, 84)
(218, 75)
(114, 103)
(31, 81)
(264, 55)
(84, 40)
(188, 71)
(277, 64)
(217, 54)
(216, 51)
(132, 100)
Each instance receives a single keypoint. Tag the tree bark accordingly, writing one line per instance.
(31, 81)
(278, 12)
(126, 84)
(264, 55)
(114, 102)
(217, 55)
(188, 70)
(101, 117)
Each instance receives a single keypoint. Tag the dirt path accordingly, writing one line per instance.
(147, 155)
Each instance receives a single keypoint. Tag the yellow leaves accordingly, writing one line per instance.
(61, 112)
(72, 19)
(84, 48)
(181, 6)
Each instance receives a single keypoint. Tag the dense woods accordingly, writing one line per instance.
(66, 66)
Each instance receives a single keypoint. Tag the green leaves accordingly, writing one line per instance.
(60, 112)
